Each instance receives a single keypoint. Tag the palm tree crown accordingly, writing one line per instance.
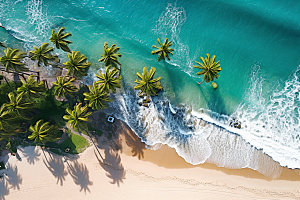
(5, 117)
(43, 54)
(209, 68)
(77, 64)
(110, 56)
(164, 50)
(110, 80)
(148, 84)
(96, 97)
(17, 103)
(40, 131)
(31, 88)
(59, 39)
(77, 117)
(12, 60)
(64, 86)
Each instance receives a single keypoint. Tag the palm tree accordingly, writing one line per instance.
(77, 117)
(40, 131)
(17, 104)
(209, 68)
(64, 86)
(96, 97)
(164, 50)
(77, 64)
(148, 85)
(6, 134)
(12, 60)
(59, 39)
(32, 88)
(110, 80)
(43, 54)
(5, 117)
(110, 56)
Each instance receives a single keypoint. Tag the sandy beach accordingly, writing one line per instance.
(130, 171)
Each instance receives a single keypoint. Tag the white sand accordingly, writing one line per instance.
(127, 177)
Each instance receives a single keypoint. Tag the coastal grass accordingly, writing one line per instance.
(75, 143)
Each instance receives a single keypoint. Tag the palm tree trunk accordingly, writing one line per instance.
(7, 81)
(201, 82)
(46, 83)
(38, 76)
(95, 145)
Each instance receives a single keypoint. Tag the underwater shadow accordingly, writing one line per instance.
(56, 166)
(80, 175)
(214, 100)
(113, 166)
(174, 78)
(31, 154)
(216, 103)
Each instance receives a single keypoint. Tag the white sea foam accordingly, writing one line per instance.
(195, 139)
(169, 26)
(273, 124)
(269, 136)
(37, 16)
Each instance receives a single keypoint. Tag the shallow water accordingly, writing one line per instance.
(257, 43)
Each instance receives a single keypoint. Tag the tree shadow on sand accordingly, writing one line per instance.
(56, 166)
(10, 179)
(118, 129)
(112, 165)
(132, 140)
(31, 154)
(13, 177)
(4, 191)
(80, 175)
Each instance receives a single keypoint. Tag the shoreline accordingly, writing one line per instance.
(178, 161)
(161, 157)
(129, 170)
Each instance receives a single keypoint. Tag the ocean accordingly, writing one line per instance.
(257, 43)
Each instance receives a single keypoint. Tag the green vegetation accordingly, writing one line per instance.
(110, 56)
(97, 97)
(17, 104)
(78, 117)
(49, 109)
(32, 88)
(59, 39)
(77, 65)
(12, 60)
(40, 132)
(30, 111)
(64, 86)
(43, 54)
(75, 143)
(5, 117)
(164, 50)
(110, 80)
(5, 89)
(148, 85)
(209, 69)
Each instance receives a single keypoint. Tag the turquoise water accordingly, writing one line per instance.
(257, 43)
